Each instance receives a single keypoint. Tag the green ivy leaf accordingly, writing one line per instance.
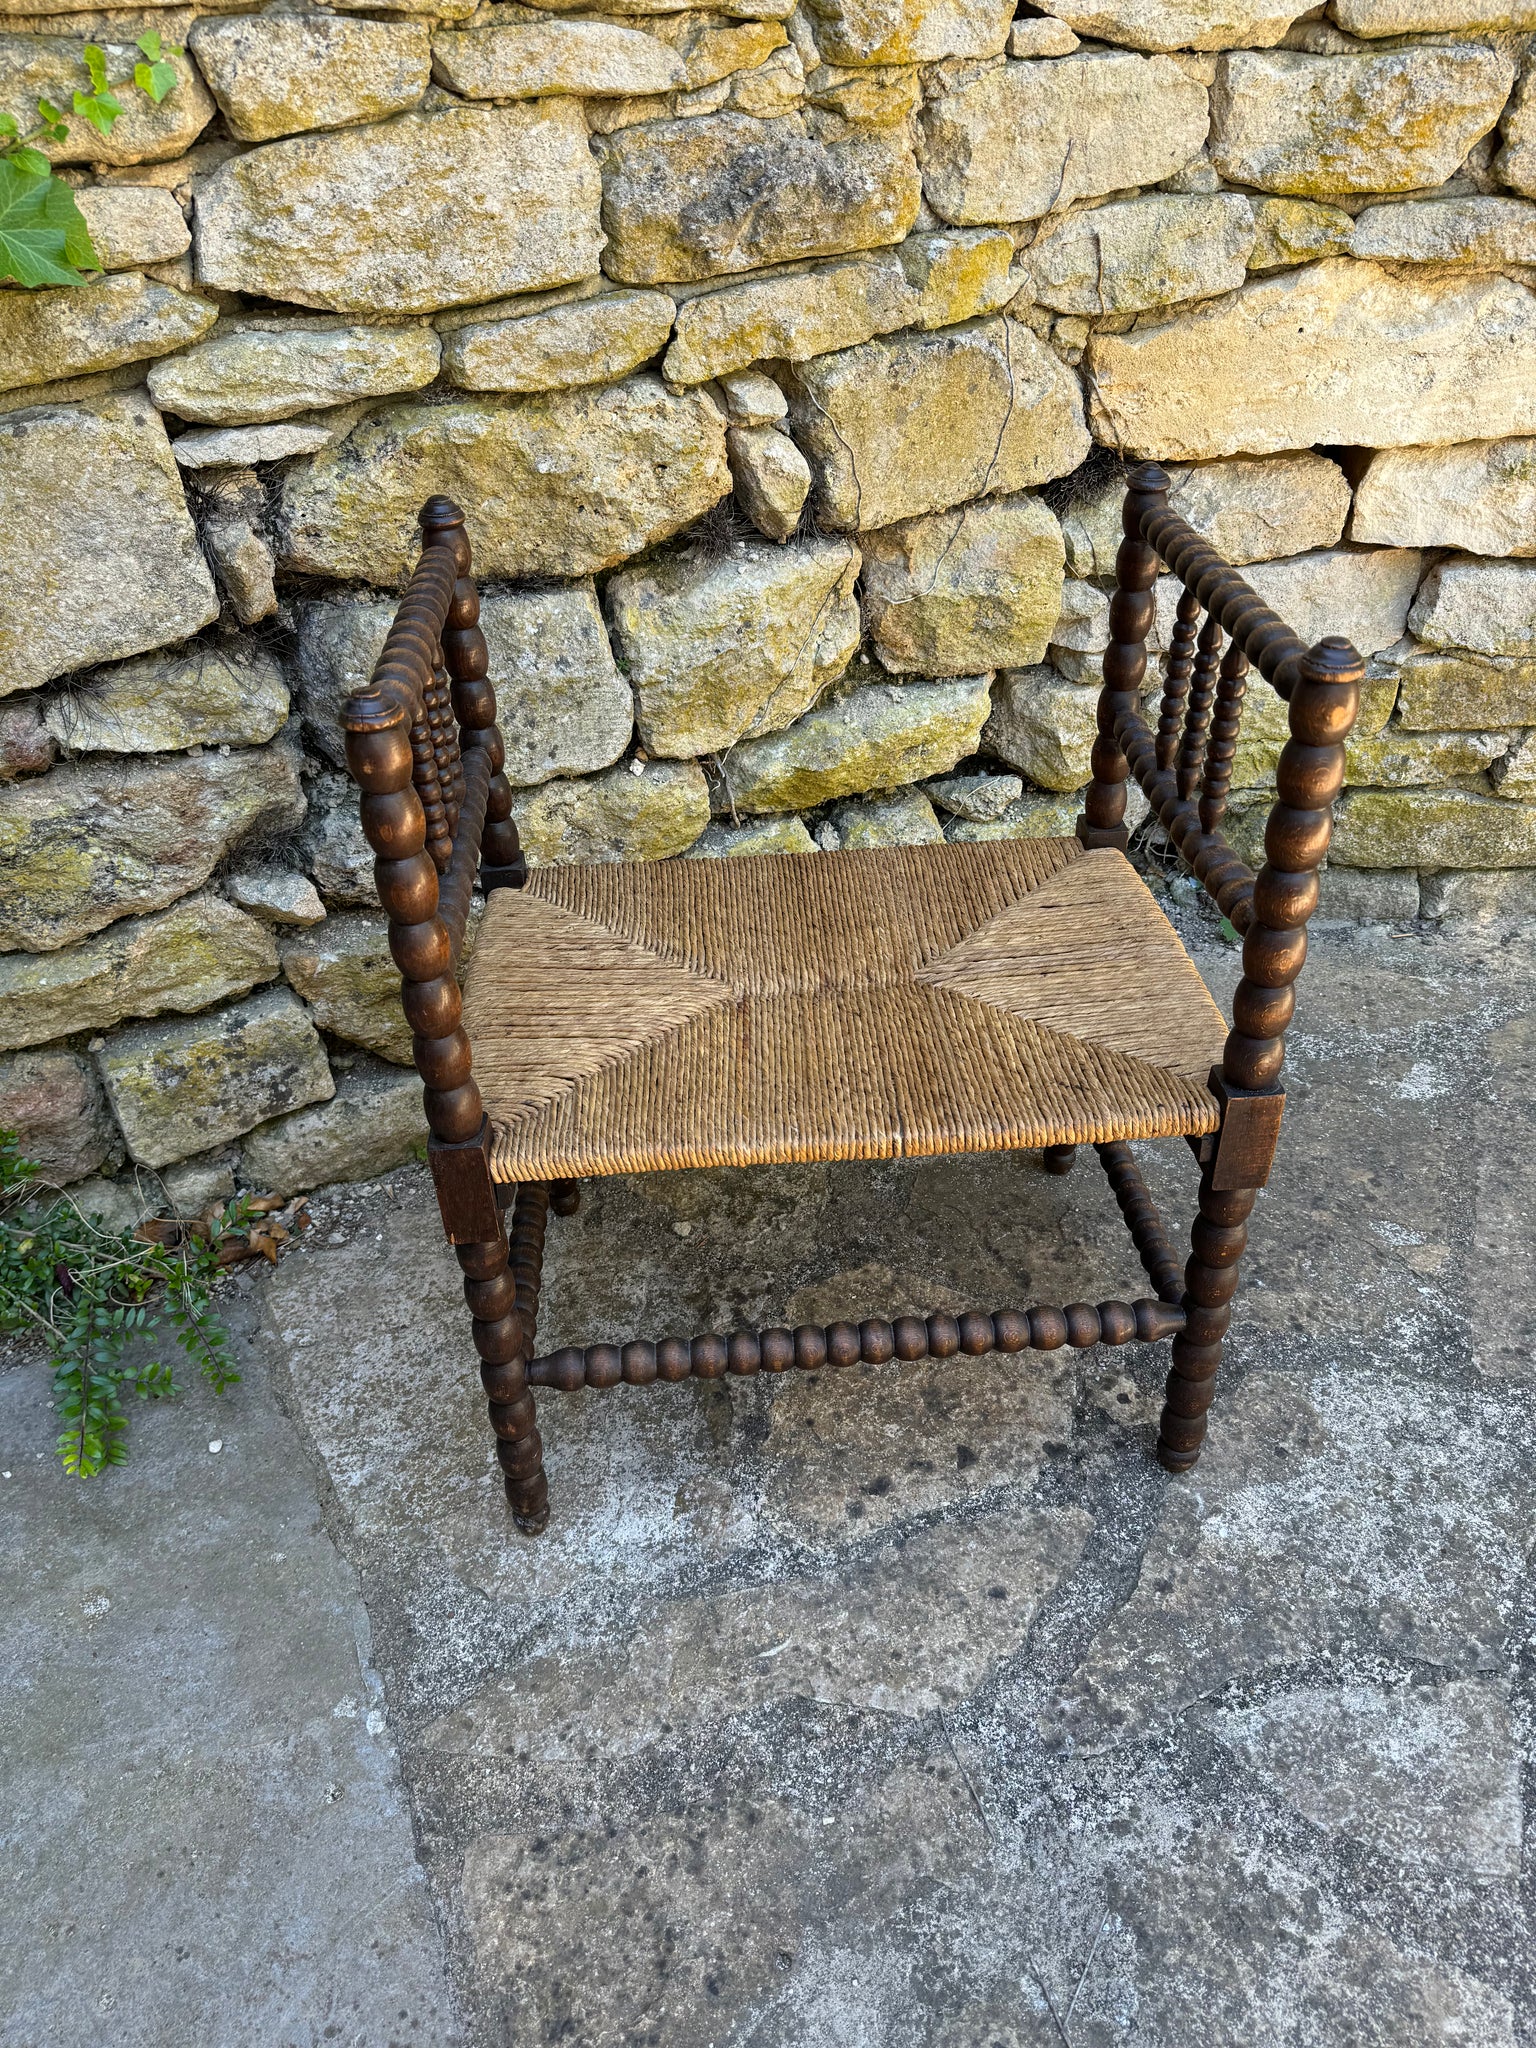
(8, 124)
(99, 108)
(96, 64)
(149, 44)
(43, 236)
(50, 112)
(33, 161)
(154, 79)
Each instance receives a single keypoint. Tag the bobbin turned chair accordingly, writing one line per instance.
(893, 1002)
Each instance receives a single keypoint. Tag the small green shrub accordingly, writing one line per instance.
(99, 1297)
(43, 236)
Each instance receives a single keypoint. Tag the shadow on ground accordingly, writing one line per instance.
(902, 1708)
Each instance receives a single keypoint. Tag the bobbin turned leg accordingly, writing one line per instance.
(1059, 1158)
(502, 1340)
(1210, 1281)
(1324, 700)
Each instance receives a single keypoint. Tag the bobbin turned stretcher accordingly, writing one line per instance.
(895, 1002)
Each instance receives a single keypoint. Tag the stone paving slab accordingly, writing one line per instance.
(913, 1709)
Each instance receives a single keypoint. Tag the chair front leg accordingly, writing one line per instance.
(503, 1337)
(1210, 1281)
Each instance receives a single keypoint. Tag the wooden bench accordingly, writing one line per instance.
(889, 1003)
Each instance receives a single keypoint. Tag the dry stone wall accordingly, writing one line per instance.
(786, 358)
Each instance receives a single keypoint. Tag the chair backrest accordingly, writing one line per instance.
(423, 747)
(430, 698)
(1185, 764)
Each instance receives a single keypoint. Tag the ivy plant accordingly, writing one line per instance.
(99, 1298)
(43, 236)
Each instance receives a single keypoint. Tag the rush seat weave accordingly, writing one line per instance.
(889, 1003)
(871, 1005)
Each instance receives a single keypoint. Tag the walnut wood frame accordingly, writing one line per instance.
(423, 746)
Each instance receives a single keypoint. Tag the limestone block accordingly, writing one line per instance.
(278, 897)
(1040, 36)
(956, 592)
(54, 1104)
(562, 705)
(711, 48)
(278, 74)
(957, 274)
(1249, 511)
(232, 523)
(200, 951)
(720, 841)
(98, 555)
(590, 342)
(1178, 24)
(133, 224)
(904, 817)
(772, 478)
(878, 93)
(619, 815)
(563, 483)
(182, 1088)
(1137, 253)
(1339, 353)
(1385, 121)
(1034, 816)
(909, 31)
(1514, 774)
(333, 847)
(1290, 231)
(201, 695)
(1362, 594)
(791, 317)
(742, 643)
(372, 1124)
(1486, 607)
(880, 736)
(345, 973)
(1266, 727)
(1399, 759)
(27, 747)
(1431, 828)
(1455, 692)
(1477, 495)
(51, 68)
(1021, 140)
(199, 1183)
(338, 640)
(766, 91)
(1478, 232)
(1516, 161)
(98, 840)
(981, 798)
(247, 375)
(120, 319)
(924, 421)
(1418, 17)
(598, 59)
(426, 210)
(753, 400)
(691, 199)
(1488, 898)
(239, 447)
(1356, 896)
(1044, 726)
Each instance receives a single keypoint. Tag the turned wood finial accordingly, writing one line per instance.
(1149, 480)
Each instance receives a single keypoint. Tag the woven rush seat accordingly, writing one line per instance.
(888, 1003)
